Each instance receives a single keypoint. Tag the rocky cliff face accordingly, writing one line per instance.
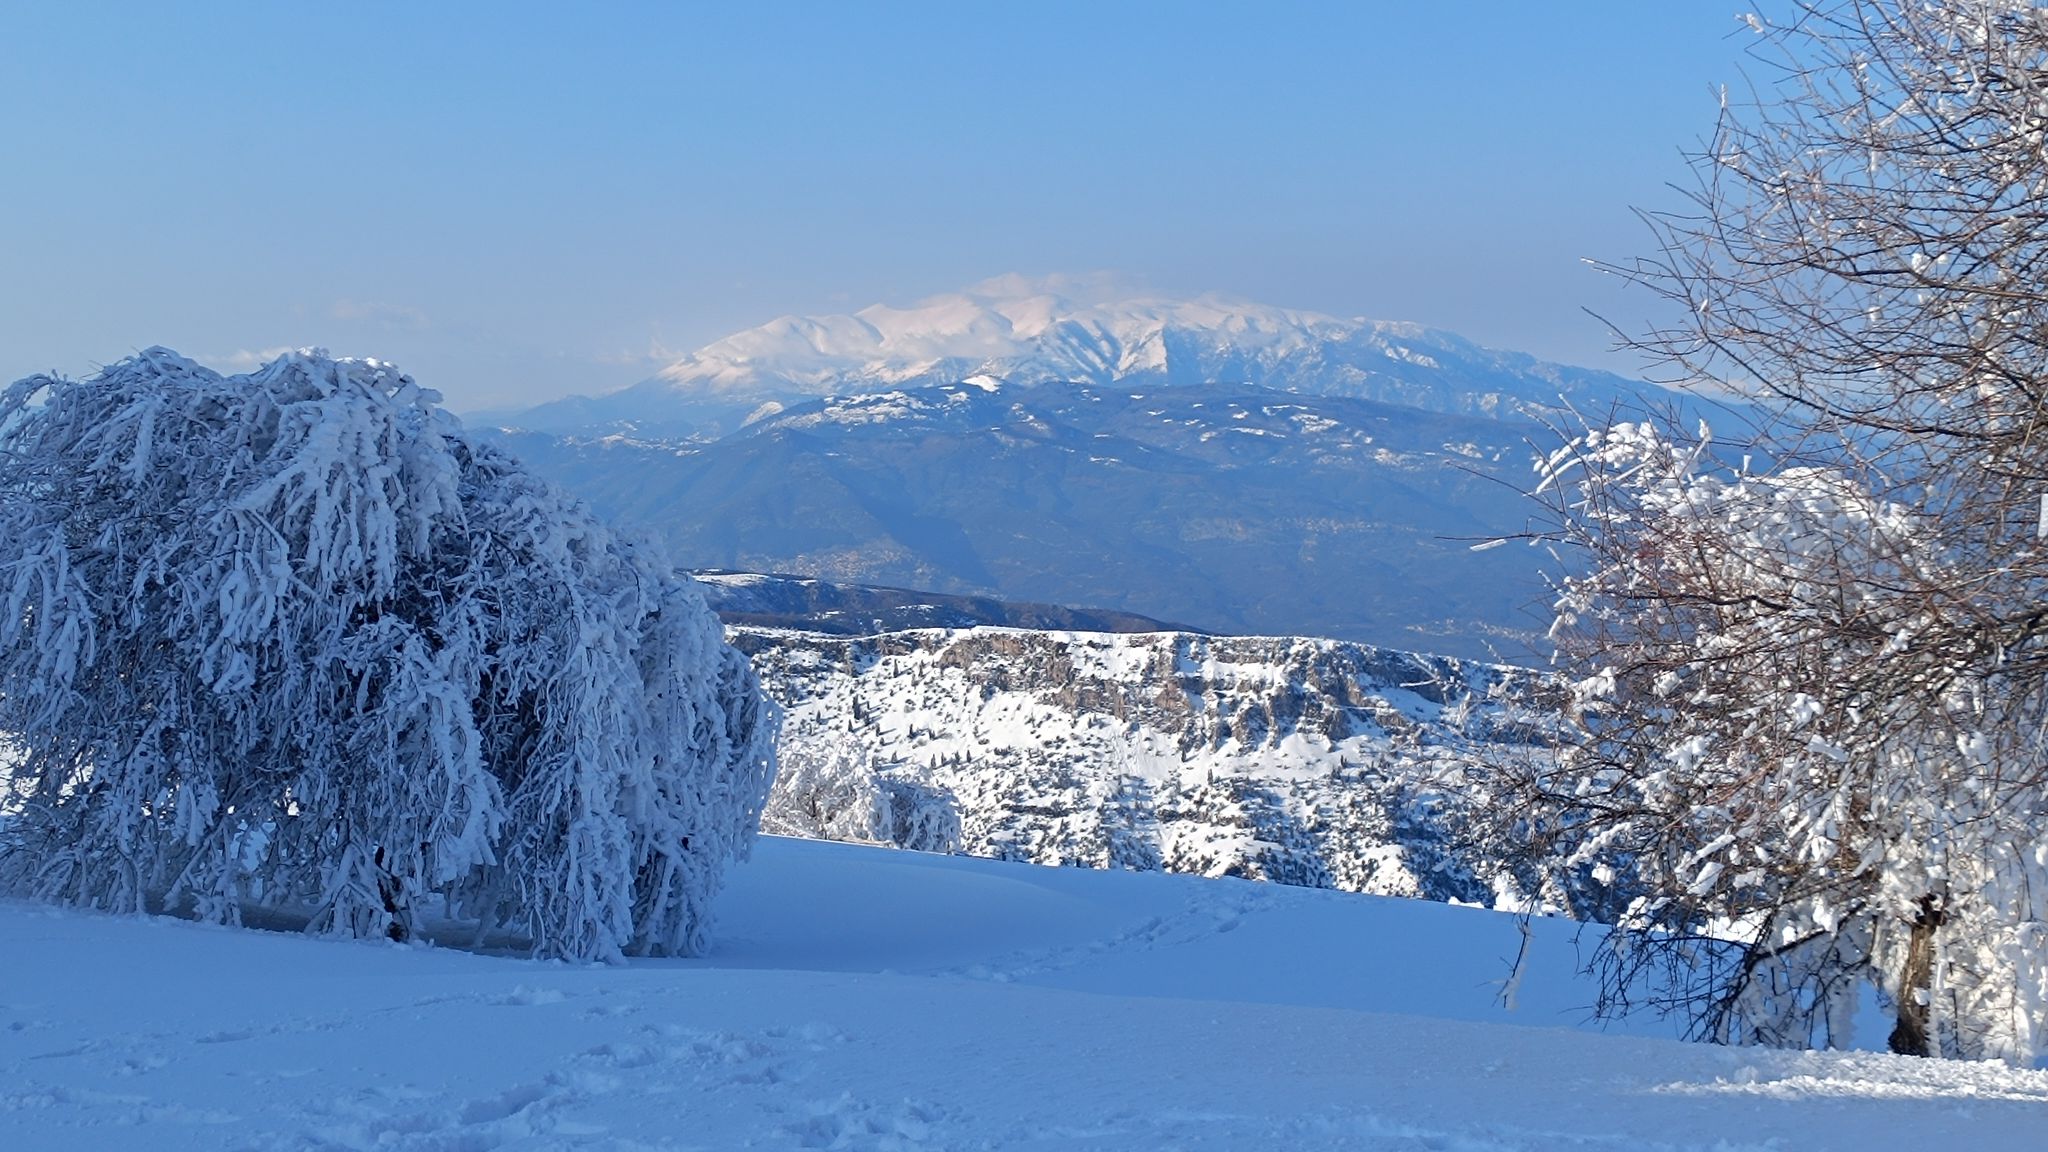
(1311, 762)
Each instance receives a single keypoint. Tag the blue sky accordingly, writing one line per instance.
(519, 201)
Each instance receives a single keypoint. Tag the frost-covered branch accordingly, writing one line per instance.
(1810, 688)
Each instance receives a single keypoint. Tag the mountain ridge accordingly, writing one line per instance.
(1030, 331)
(1234, 466)
(804, 603)
(1232, 509)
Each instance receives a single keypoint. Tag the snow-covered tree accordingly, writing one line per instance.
(829, 793)
(923, 817)
(293, 639)
(1795, 751)
(1812, 671)
(839, 792)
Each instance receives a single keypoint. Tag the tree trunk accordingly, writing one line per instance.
(1911, 1036)
(392, 890)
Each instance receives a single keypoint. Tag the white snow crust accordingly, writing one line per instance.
(860, 998)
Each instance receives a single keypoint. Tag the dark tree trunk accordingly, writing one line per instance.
(392, 890)
(1911, 1036)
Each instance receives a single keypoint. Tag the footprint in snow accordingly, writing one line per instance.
(627, 1056)
(231, 1036)
(855, 1124)
(526, 1115)
(522, 996)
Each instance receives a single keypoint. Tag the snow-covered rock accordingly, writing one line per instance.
(1307, 762)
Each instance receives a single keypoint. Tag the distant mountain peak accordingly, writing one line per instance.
(1097, 329)
(1054, 327)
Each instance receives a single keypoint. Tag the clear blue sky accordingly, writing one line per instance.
(519, 201)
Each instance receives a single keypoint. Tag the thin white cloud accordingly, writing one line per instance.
(378, 312)
(243, 359)
(657, 353)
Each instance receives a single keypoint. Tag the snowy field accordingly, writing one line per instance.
(867, 999)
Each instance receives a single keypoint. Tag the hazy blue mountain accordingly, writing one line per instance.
(776, 600)
(1224, 507)
(1230, 466)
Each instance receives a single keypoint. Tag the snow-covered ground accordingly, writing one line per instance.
(861, 998)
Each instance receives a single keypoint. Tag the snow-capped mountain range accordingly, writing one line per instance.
(1231, 466)
(1027, 331)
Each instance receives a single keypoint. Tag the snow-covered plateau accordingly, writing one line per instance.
(1310, 762)
(863, 998)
